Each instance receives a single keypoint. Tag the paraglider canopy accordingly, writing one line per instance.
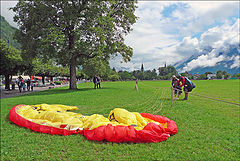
(120, 126)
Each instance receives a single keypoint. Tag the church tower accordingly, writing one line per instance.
(142, 68)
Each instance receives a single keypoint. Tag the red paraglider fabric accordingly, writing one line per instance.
(150, 133)
(19, 120)
(171, 125)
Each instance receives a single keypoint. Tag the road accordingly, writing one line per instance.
(14, 93)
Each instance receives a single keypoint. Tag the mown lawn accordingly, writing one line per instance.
(208, 129)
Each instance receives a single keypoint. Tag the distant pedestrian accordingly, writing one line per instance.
(20, 83)
(177, 90)
(28, 84)
(98, 81)
(52, 84)
(31, 84)
(187, 84)
(95, 81)
(24, 86)
(136, 86)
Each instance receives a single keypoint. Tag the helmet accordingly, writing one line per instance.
(174, 77)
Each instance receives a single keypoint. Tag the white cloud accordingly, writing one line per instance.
(188, 46)
(207, 60)
(157, 39)
(236, 63)
(219, 38)
(204, 6)
(147, 38)
(8, 14)
(198, 15)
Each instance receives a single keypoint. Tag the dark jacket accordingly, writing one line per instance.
(95, 80)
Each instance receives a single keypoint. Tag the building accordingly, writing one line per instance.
(211, 76)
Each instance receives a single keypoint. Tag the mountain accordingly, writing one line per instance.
(7, 33)
(225, 59)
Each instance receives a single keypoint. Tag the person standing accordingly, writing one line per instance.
(95, 81)
(31, 84)
(28, 84)
(98, 81)
(187, 84)
(24, 86)
(136, 86)
(20, 83)
(177, 90)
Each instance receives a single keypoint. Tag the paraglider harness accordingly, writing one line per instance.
(111, 117)
(189, 85)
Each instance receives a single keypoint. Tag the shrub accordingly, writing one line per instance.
(58, 82)
(113, 77)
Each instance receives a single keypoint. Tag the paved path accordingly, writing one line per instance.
(14, 93)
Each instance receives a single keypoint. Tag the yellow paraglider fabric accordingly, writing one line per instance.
(120, 126)
(59, 115)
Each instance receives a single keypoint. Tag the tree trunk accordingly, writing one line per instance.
(73, 80)
(43, 80)
(73, 59)
(7, 82)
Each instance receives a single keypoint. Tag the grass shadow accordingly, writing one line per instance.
(61, 91)
(8, 120)
(169, 99)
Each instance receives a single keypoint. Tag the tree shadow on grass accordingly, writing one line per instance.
(174, 100)
(61, 91)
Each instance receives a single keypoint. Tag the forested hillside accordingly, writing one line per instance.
(7, 33)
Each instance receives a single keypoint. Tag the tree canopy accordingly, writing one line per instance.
(11, 61)
(166, 72)
(96, 67)
(73, 31)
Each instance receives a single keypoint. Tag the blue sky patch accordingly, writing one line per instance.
(167, 11)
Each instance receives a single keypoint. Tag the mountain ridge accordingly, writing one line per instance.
(230, 54)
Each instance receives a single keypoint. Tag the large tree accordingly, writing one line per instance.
(163, 71)
(74, 30)
(96, 67)
(219, 74)
(10, 62)
(45, 68)
(125, 75)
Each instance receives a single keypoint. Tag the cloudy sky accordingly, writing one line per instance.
(171, 31)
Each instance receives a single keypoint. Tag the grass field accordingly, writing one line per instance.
(208, 129)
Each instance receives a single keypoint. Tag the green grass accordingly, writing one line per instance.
(208, 129)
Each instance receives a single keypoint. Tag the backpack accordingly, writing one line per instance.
(191, 83)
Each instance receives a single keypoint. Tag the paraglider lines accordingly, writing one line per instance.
(151, 102)
(143, 101)
(216, 99)
(161, 97)
(211, 98)
(161, 106)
